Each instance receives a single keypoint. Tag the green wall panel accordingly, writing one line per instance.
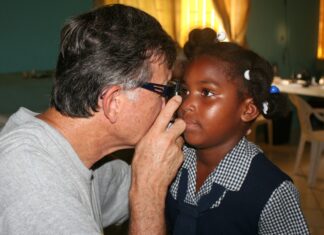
(30, 30)
(285, 33)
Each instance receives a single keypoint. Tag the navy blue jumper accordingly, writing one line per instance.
(239, 211)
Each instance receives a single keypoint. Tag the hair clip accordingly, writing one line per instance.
(247, 74)
(265, 108)
(274, 90)
(221, 36)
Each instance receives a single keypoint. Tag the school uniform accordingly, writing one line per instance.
(245, 194)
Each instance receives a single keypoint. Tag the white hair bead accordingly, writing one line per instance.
(221, 36)
(265, 108)
(247, 74)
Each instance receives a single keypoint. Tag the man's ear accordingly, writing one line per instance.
(110, 102)
(250, 111)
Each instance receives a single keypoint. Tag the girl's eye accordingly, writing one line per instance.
(183, 91)
(206, 92)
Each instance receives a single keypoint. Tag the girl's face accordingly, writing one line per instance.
(211, 107)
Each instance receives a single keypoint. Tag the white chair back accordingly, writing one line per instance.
(304, 111)
(307, 134)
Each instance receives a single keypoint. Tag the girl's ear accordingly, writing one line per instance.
(110, 102)
(250, 111)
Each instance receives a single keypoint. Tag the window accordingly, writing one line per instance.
(178, 17)
(320, 45)
(197, 14)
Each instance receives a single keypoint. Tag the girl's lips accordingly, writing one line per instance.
(191, 124)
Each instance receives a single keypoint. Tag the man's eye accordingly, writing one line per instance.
(206, 92)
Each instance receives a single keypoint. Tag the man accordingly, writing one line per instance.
(103, 100)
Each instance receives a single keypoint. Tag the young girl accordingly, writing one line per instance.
(226, 185)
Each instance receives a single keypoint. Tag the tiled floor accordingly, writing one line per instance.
(312, 198)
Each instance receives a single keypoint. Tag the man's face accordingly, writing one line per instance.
(144, 105)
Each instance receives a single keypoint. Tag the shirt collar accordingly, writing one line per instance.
(232, 170)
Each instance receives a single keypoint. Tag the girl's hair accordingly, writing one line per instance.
(252, 73)
(197, 39)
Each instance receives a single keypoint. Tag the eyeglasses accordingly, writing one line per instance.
(167, 91)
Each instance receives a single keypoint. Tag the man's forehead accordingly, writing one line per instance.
(160, 58)
(158, 63)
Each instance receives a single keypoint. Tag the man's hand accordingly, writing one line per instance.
(159, 154)
(157, 158)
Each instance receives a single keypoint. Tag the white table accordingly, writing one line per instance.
(296, 88)
(287, 86)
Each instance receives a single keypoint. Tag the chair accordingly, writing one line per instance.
(258, 122)
(314, 137)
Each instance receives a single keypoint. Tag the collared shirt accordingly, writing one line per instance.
(281, 214)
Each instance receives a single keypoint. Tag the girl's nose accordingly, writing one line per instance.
(188, 104)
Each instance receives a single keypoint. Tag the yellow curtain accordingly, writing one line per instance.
(179, 17)
(195, 14)
(163, 11)
(234, 15)
(320, 45)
